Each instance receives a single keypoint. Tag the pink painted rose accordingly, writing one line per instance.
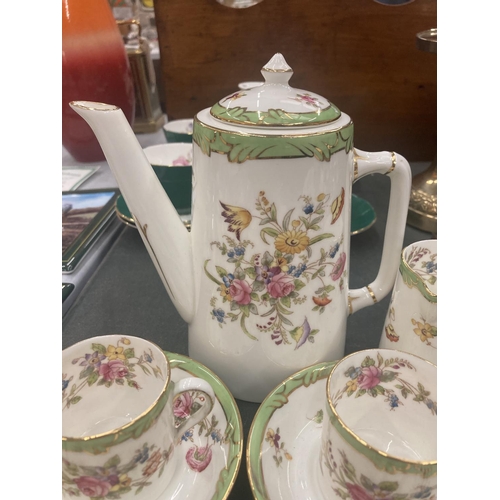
(358, 492)
(93, 486)
(113, 370)
(369, 377)
(338, 267)
(182, 161)
(199, 458)
(240, 291)
(280, 286)
(182, 405)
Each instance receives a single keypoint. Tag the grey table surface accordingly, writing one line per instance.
(125, 295)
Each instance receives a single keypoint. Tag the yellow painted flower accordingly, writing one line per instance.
(280, 262)
(391, 334)
(125, 341)
(270, 436)
(115, 353)
(321, 197)
(423, 330)
(291, 241)
(224, 293)
(123, 482)
(352, 386)
(288, 456)
(295, 223)
(237, 217)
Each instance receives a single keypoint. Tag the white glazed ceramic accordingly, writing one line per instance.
(211, 451)
(284, 441)
(177, 154)
(411, 321)
(263, 277)
(379, 437)
(249, 85)
(179, 130)
(123, 418)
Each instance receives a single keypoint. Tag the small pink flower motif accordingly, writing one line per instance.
(198, 459)
(308, 99)
(338, 267)
(182, 161)
(280, 286)
(234, 96)
(240, 291)
(182, 405)
(357, 492)
(113, 370)
(92, 486)
(369, 377)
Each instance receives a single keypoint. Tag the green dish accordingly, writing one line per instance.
(362, 215)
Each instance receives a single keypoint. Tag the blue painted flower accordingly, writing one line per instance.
(65, 384)
(142, 455)
(393, 401)
(302, 267)
(147, 357)
(215, 436)
(219, 315)
(228, 279)
(431, 267)
(334, 250)
(239, 251)
(230, 254)
(291, 269)
(187, 435)
(308, 209)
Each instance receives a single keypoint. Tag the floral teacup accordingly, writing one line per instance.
(122, 418)
(379, 440)
(411, 321)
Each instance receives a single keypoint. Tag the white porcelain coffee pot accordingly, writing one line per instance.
(263, 277)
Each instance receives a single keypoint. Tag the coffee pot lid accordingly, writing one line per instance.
(275, 104)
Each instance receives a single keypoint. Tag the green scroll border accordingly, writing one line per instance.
(275, 117)
(276, 399)
(133, 430)
(412, 279)
(240, 147)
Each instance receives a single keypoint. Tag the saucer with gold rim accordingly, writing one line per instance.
(283, 449)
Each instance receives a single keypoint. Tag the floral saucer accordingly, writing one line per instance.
(212, 450)
(283, 451)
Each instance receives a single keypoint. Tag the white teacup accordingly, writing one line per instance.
(123, 417)
(411, 321)
(379, 437)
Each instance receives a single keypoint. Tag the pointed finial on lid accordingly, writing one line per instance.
(277, 70)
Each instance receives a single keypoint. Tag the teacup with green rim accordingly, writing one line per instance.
(379, 440)
(411, 319)
(179, 130)
(120, 419)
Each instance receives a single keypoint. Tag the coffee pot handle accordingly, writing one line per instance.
(398, 170)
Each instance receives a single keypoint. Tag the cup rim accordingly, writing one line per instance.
(419, 463)
(124, 427)
(407, 269)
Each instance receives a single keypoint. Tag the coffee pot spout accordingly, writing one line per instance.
(163, 232)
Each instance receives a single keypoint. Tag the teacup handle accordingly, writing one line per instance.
(398, 170)
(194, 384)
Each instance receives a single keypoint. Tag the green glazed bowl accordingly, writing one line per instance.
(179, 130)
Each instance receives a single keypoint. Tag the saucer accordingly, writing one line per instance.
(284, 441)
(202, 481)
